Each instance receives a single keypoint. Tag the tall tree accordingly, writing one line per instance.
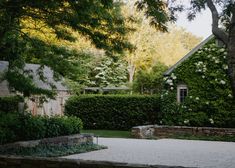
(151, 46)
(167, 9)
(97, 20)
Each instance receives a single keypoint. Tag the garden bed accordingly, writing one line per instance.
(52, 147)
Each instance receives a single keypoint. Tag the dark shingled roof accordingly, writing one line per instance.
(48, 74)
(199, 46)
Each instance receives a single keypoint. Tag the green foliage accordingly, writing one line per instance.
(109, 72)
(149, 81)
(20, 127)
(51, 151)
(117, 112)
(23, 23)
(209, 101)
(10, 104)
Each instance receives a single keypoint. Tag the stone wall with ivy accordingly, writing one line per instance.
(209, 101)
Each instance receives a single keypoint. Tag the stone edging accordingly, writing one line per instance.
(165, 131)
(75, 139)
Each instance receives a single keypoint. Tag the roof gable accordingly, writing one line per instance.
(194, 50)
(47, 72)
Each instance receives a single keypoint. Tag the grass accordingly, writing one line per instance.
(127, 134)
(50, 151)
(109, 133)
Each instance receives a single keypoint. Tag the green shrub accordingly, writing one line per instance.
(118, 112)
(10, 104)
(20, 127)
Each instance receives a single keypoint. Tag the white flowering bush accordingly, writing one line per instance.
(209, 101)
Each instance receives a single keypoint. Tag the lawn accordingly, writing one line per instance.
(109, 133)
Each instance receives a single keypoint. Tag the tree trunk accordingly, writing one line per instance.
(131, 71)
(231, 53)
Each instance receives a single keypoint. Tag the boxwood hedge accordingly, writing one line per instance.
(21, 127)
(118, 112)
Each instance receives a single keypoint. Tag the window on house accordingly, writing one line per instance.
(182, 92)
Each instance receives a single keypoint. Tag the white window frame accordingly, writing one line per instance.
(179, 88)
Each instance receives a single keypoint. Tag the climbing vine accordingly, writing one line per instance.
(209, 101)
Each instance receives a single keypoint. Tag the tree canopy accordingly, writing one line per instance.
(99, 21)
(223, 23)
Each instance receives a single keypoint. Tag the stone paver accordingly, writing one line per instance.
(171, 152)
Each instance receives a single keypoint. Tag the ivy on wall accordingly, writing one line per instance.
(209, 101)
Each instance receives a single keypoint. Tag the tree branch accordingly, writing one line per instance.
(218, 32)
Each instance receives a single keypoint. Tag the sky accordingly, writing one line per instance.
(200, 26)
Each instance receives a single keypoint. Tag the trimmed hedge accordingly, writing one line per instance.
(10, 104)
(117, 112)
(20, 127)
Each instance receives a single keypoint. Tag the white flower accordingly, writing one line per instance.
(225, 66)
(203, 76)
(222, 50)
(197, 98)
(165, 78)
(173, 76)
(216, 61)
(190, 97)
(222, 82)
(171, 84)
(169, 81)
(207, 102)
(230, 95)
(186, 121)
(211, 121)
(190, 109)
(172, 88)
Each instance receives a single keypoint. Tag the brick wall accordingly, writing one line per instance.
(165, 131)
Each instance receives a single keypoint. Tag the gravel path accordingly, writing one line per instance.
(171, 152)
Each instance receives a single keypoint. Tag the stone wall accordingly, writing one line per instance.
(150, 131)
(28, 162)
(76, 139)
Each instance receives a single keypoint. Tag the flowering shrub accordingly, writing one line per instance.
(209, 101)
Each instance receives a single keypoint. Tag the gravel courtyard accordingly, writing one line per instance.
(171, 152)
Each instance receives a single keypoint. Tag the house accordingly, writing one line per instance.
(197, 89)
(51, 106)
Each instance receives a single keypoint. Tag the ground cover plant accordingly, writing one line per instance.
(50, 151)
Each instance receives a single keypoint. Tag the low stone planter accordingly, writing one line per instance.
(76, 139)
(162, 131)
